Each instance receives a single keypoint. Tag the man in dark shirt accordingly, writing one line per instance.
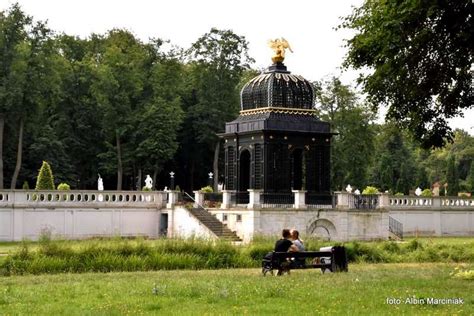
(285, 244)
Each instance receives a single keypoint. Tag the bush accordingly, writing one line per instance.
(399, 194)
(25, 186)
(64, 187)
(145, 188)
(207, 189)
(370, 190)
(426, 192)
(45, 180)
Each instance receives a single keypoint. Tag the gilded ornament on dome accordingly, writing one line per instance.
(279, 46)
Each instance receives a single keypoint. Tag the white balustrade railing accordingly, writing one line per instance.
(457, 202)
(156, 198)
(435, 202)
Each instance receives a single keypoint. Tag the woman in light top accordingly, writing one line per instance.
(295, 237)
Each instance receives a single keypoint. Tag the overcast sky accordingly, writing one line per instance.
(308, 25)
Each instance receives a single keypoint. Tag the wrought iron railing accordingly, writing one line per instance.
(365, 202)
(395, 227)
(281, 200)
(240, 198)
(314, 200)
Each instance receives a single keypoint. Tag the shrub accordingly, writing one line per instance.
(64, 187)
(426, 192)
(399, 194)
(25, 186)
(207, 189)
(145, 188)
(370, 190)
(45, 180)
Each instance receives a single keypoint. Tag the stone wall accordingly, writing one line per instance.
(182, 224)
(435, 222)
(79, 214)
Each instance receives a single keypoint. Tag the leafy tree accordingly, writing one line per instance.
(218, 60)
(353, 146)
(45, 180)
(470, 178)
(452, 176)
(420, 53)
(394, 168)
(13, 55)
(121, 76)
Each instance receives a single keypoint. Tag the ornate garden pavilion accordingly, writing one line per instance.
(277, 144)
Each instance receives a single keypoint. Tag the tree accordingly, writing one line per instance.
(452, 176)
(13, 39)
(420, 53)
(218, 60)
(121, 76)
(45, 180)
(394, 169)
(353, 146)
(470, 178)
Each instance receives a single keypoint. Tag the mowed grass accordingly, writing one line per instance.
(362, 291)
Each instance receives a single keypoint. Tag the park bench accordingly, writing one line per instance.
(332, 259)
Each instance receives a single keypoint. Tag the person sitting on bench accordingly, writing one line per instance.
(284, 244)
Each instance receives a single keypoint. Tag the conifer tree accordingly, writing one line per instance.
(45, 179)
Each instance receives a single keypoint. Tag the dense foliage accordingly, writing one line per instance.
(419, 54)
(115, 105)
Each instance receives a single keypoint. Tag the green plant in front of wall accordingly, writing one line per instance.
(45, 180)
(370, 190)
(426, 192)
(207, 189)
(64, 187)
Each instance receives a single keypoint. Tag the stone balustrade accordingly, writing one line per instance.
(83, 198)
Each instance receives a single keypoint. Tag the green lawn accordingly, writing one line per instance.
(362, 291)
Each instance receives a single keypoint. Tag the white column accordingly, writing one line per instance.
(254, 198)
(198, 198)
(384, 200)
(342, 199)
(172, 197)
(226, 195)
(300, 198)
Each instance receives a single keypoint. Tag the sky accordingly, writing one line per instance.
(308, 25)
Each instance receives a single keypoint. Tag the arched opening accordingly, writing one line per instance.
(244, 171)
(297, 172)
(323, 229)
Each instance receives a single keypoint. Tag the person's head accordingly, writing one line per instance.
(285, 233)
(295, 234)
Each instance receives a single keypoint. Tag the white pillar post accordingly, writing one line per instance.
(254, 198)
(172, 197)
(384, 200)
(342, 199)
(198, 198)
(226, 199)
(300, 198)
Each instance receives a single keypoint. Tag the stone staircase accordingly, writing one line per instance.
(214, 225)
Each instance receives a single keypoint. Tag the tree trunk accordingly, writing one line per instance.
(2, 125)
(119, 163)
(215, 165)
(19, 153)
(139, 180)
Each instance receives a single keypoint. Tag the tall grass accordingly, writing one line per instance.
(57, 256)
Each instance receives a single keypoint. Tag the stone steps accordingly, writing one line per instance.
(215, 225)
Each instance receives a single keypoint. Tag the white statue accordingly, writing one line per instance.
(357, 192)
(100, 184)
(148, 182)
(418, 191)
(349, 188)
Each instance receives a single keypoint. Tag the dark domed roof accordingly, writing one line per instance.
(277, 88)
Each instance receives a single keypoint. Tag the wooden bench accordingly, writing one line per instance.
(332, 259)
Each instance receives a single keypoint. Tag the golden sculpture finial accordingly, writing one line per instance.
(279, 45)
